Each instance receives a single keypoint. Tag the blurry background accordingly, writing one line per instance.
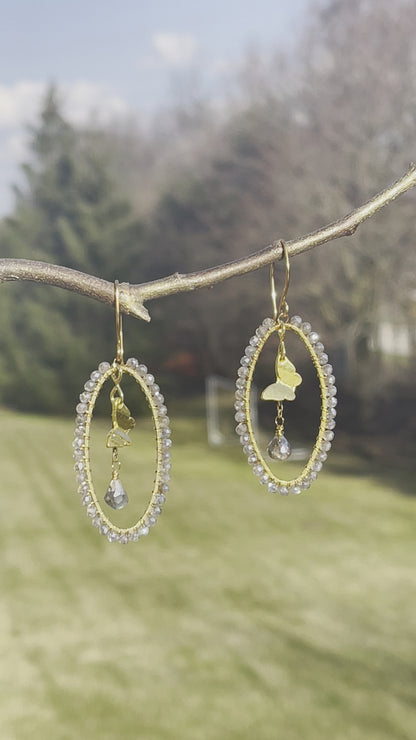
(136, 141)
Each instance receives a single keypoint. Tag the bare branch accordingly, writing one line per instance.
(132, 297)
(78, 282)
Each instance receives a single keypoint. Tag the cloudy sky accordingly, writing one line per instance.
(113, 58)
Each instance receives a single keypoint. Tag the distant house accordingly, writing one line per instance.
(394, 339)
(396, 333)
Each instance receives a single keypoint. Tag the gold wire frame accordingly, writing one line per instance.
(324, 407)
(141, 522)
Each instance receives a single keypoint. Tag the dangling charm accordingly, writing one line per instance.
(287, 380)
(284, 389)
(116, 497)
(117, 438)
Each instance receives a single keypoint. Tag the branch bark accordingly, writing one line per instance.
(132, 297)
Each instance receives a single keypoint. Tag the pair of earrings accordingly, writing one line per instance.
(122, 423)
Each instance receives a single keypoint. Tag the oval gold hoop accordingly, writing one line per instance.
(81, 444)
(244, 429)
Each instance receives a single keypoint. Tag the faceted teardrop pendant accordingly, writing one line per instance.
(279, 448)
(116, 497)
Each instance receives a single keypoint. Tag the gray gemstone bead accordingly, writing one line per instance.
(116, 497)
(279, 448)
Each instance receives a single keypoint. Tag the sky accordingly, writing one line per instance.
(114, 59)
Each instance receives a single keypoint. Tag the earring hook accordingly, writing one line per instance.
(283, 307)
(119, 323)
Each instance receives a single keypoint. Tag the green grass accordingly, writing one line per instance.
(241, 616)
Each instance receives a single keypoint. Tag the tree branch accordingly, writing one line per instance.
(132, 297)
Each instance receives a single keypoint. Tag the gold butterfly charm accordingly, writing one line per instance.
(123, 418)
(287, 379)
(122, 421)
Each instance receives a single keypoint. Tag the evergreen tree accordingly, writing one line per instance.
(68, 213)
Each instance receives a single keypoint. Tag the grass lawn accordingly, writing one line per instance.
(242, 615)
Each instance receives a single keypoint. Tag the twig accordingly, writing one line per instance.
(132, 297)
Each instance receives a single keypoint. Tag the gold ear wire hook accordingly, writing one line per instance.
(273, 291)
(119, 323)
(283, 307)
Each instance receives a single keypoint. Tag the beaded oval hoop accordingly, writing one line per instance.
(244, 428)
(85, 409)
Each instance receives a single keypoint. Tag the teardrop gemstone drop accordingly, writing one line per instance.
(279, 448)
(116, 497)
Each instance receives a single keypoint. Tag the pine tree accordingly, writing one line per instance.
(67, 213)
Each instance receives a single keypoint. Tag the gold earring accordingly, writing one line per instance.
(118, 438)
(284, 389)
